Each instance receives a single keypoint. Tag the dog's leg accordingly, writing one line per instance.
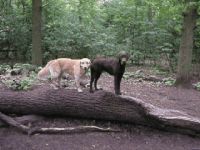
(95, 81)
(77, 76)
(54, 84)
(59, 81)
(117, 81)
(77, 80)
(54, 76)
(91, 80)
(84, 83)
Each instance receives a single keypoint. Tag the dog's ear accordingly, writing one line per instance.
(123, 54)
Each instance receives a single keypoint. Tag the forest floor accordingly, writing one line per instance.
(131, 137)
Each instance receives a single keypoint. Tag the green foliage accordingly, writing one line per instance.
(15, 27)
(22, 81)
(159, 71)
(21, 84)
(79, 28)
(4, 68)
(26, 67)
(197, 86)
(137, 74)
(137, 57)
(169, 81)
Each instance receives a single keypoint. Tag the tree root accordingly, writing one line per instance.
(10, 121)
(30, 131)
(77, 129)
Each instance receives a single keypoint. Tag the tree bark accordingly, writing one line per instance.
(98, 105)
(36, 32)
(186, 46)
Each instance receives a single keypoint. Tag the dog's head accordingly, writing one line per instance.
(85, 63)
(123, 57)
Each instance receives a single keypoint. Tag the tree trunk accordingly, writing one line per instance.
(36, 32)
(98, 105)
(185, 51)
(80, 12)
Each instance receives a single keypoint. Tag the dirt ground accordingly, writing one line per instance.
(131, 137)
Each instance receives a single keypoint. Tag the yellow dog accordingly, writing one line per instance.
(55, 69)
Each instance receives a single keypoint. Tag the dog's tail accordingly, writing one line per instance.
(44, 73)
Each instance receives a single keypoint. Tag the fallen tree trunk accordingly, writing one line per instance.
(99, 105)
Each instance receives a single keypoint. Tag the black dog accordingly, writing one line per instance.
(114, 66)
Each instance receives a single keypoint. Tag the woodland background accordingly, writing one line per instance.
(152, 31)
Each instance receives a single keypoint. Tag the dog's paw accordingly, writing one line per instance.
(54, 87)
(118, 93)
(91, 91)
(99, 89)
(87, 85)
(80, 90)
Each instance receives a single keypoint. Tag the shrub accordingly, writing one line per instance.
(169, 81)
(197, 86)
